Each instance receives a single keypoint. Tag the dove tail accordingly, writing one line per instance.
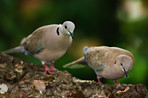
(19, 49)
(79, 61)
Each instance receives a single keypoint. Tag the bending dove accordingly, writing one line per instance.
(107, 62)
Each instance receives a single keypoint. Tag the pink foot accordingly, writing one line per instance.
(99, 82)
(52, 67)
(47, 69)
(116, 82)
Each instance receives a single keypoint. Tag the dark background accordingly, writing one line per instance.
(120, 23)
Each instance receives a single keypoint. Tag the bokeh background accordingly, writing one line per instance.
(120, 23)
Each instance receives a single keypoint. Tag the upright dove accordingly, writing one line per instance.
(107, 62)
(47, 43)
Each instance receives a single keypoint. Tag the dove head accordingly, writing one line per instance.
(68, 28)
(124, 64)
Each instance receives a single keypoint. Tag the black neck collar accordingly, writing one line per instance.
(58, 33)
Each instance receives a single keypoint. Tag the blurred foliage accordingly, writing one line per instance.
(98, 22)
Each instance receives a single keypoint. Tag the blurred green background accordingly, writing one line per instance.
(120, 23)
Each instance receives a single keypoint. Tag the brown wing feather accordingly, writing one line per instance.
(33, 41)
(96, 56)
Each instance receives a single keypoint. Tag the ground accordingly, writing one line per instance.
(20, 79)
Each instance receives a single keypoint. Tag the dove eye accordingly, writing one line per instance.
(115, 62)
(65, 27)
(121, 64)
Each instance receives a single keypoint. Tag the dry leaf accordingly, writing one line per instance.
(39, 85)
(125, 90)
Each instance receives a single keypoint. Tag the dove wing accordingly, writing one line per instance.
(33, 43)
(96, 57)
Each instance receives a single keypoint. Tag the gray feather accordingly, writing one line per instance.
(98, 68)
(79, 61)
(19, 49)
(84, 52)
(22, 42)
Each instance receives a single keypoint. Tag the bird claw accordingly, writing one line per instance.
(116, 82)
(53, 69)
(48, 70)
(99, 83)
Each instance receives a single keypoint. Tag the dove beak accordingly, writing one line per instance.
(71, 34)
(125, 72)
